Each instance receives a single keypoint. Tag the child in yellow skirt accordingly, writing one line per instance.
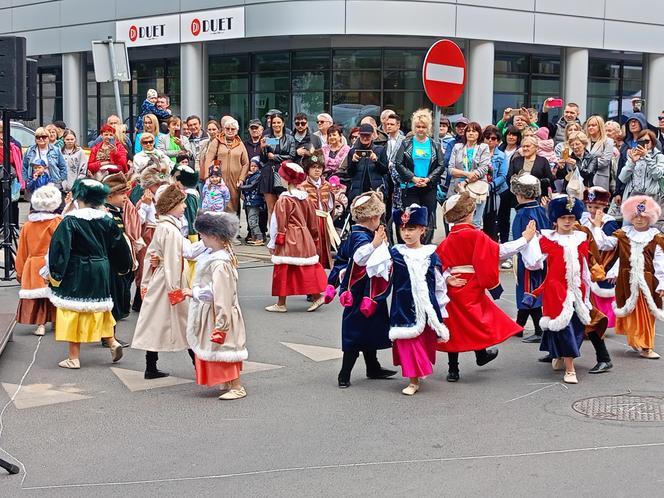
(639, 248)
(84, 245)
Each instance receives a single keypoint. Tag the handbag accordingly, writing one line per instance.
(277, 181)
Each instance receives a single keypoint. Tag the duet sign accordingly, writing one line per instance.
(160, 30)
(221, 24)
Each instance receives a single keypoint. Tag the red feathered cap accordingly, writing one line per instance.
(106, 128)
(292, 173)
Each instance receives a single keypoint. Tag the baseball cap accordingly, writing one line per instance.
(39, 162)
(255, 122)
(461, 120)
(366, 129)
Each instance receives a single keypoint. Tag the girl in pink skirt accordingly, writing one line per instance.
(419, 296)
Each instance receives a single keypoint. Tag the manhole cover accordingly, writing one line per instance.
(627, 408)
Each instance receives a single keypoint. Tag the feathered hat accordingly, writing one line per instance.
(526, 185)
(316, 159)
(412, 215)
(458, 207)
(186, 175)
(46, 199)
(169, 197)
(641, 205)
(90, 191)
(367, 206)
(154, 175)
(565, 205)
(223, 226)
(117, 182)
(292, 173)
(597, 195)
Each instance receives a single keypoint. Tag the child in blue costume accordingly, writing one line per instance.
(363, 328)
(527, 190)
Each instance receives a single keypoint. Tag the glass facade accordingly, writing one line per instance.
(524, 80)
(49, 94)
(611, 86)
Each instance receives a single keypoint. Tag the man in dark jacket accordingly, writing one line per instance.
(557, 129)
(253, 142)
(305, 141)
(367, 166)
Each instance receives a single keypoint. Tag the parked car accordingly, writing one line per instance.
(22, 134)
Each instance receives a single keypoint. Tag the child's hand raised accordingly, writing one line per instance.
(598, 218)
(379, 236)
(530, 231)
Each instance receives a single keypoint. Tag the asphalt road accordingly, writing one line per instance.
(506, 429)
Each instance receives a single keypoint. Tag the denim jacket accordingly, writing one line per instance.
(57, 167)
(498, 183)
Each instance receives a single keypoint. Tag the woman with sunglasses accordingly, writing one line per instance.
(149, 154)
(644, 170)
(51, 155)
(497, 179)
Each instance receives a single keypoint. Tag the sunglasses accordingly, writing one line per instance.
(39, 137)
(145, 142)
(492, 138)
(298, 123)
(320, 122)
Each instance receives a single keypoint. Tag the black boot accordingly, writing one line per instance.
(603, 357)
(453, 367)
(347, 364)
(484, 356)
(374, 370)
(151, 371)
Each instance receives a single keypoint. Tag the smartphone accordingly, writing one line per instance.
(642, 143)
(565, 153)
(177, 133)
(555, 103)
(272, 142)
(363, 153)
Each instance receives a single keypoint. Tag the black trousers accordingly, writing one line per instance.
(349, 358)
(601, 352)
(534, 313)
(504, 212)
(152, 357)
(453, 359)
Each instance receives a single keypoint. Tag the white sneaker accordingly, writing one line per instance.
(649, 354)
(276, 308)
(316, 304)
(410, 389)
(69, 363)
(570, 378)
(40, 330)
(506, 265)
(234, 394)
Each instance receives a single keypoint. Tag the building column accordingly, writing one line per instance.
(193, 80)
(479, 82)
(75, 94)
(653, 94)
(575, 78)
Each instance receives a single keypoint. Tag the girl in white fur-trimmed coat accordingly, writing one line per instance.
(215, 327)
(419, 296)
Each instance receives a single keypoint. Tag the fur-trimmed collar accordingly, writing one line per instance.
(640, 237)
(41, 216)
(88, 214)
(572, 240)
(296, 193)
(192, 191)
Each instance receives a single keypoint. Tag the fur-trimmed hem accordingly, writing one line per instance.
(41, 216)
(39, 293)
(412, 331)
(601, 292)
(221, 356)
(81, 306)
(295, 261)
(88, 214)
(638, 284)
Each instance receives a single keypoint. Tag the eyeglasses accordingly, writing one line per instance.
(229, 128)
(322, 121)
(146, 142)
(660, 117)
(299, 123)
(491, 138)
(39, 137)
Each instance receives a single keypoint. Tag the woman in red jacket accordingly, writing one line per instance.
(107, 157)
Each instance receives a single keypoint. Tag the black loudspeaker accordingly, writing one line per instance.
(30, 93)
(12, 73)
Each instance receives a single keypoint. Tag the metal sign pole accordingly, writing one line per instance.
(116, 84)
(436, 122)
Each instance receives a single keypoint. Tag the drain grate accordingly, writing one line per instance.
(624, 408)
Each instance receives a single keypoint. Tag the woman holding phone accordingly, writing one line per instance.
(600, 147)
(173, 143)
(276, 147)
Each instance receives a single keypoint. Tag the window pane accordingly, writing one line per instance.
(228, 64)
(404, 59)
(603, 87)
(402, 80)
(604, 106)
(363, 80)
(236, 105)
(356, 59)
(266, 101)
(348, 108)
(269, 82)
(230, 84)
(547, 86)
(277, 61)
(405, 103)
(310, 80)
(511, 84)
(546, 65)
(511, 63)
(603, 69)
(504, 100)
(315, 60)
(311, 103)
(632, 72)
(631, 87)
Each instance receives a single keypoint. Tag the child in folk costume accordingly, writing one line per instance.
(34, 308)
(293, 235)
(568, 251)
(84, 245)
(365, 324)
(419, 296)
(603, 294)
(149, 182)
(639, 248)
(474, 321)
(527, 190)
(187, 179)
(215, 327)
(322, 199)
(162, 322)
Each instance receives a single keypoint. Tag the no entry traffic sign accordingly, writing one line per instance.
(444, 73)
